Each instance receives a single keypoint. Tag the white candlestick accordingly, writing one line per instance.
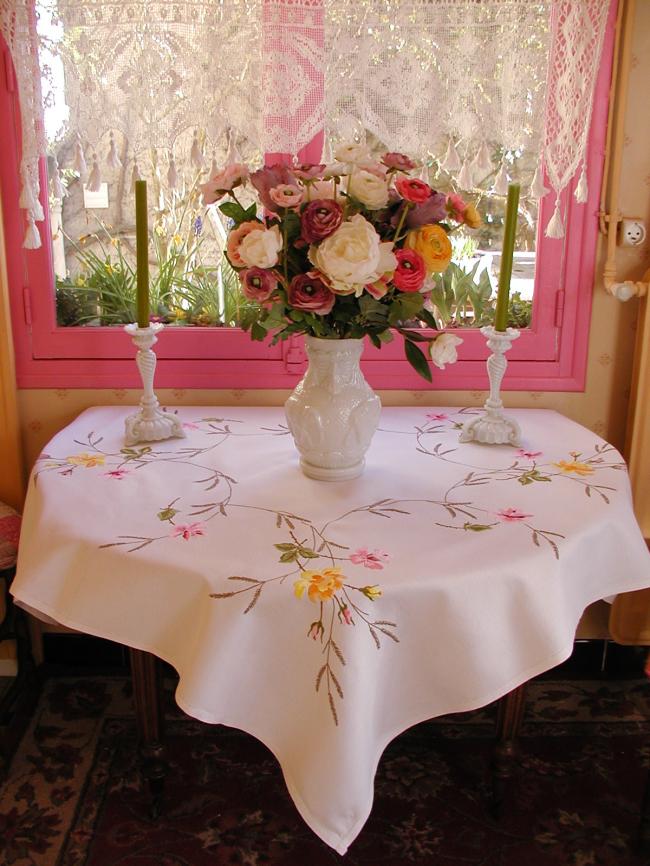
(494, 427)
(151, 423)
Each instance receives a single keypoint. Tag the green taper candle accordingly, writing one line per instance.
(142, 253)
(509, 232)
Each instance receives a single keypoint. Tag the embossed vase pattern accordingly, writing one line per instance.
(333, 412)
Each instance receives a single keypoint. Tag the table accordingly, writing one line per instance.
(326, 618)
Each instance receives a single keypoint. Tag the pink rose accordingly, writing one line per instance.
(222, 182)
(235, 238)
(411, 271)
(265, 179)
(319, 220)
(286, 195)
(413, 190)
(456, 207)
(397, 161)
(512, 514)
(374, 559)
(309, 292)
(258, 284)
(308, 171)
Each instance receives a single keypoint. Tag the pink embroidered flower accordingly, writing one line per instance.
(397, 161)
(529, 455)
(512, 514)
(373, 559)
(412, 189)
(189, 425)
(286, 195)
(347, 616)
(117, 473)
(222, 182)
(436, 416)
(258, 284)
(187, 530)
(316, 630)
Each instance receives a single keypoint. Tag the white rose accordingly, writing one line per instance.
(368, 189)
(353, 256)
(260, 248)
(352, 153)
(443, 350)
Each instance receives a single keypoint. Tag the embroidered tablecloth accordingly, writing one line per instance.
(326, 618)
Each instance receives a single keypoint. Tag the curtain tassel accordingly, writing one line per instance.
(135, 175)
(94, 178)
(537, 188)
(196, 157)
(465, 179)
(483, 158)
(29, 200)
(32, 235)
(80, 165)
(555, 227)
(582, 191)
(58, 190)
(112, 159)
(214, 168)
(172, 174)
(501, 181)
(451, 160)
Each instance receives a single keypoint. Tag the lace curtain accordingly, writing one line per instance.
(467, 86)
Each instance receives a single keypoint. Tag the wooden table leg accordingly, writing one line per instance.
(509, 717)
(146, 674)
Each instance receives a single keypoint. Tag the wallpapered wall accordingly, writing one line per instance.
(602, 406)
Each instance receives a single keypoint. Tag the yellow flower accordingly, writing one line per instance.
(87, 460)
(115, 242)
(109, 267)
(372, 592)
(80, 281)
(320, 585)
(472, 217)
(574, 466)
(178, 240)
(432, 243)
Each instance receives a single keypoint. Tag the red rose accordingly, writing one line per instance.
(413, 189)
(410, 271)
(258, 284)
(308, 292)
(320, 219)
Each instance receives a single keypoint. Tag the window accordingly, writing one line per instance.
(550, 353)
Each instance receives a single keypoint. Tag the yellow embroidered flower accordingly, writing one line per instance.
(320, 585)
(432, 243)
(372, 592)
(574, 466)
(85, 459)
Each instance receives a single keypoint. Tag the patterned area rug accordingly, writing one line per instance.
(74, 795)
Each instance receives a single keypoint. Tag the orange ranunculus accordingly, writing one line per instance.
(471, 217)
(432, 243)
(320, 585)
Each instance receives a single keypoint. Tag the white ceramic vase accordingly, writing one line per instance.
(333, 412)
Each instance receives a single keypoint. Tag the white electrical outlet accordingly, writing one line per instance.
(632, 232)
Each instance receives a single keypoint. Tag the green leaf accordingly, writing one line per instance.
(258, 332)
(308, 553)
(405, 307)
(374, 339)
(233, 210)
(417, 359)
(385, 336)
(251, 212)
(285, 545)
(289, 556)
(428, 317)
(476, 527)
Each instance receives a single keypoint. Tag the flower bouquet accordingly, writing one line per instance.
(343, 251)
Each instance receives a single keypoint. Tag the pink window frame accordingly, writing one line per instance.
(550, 356)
